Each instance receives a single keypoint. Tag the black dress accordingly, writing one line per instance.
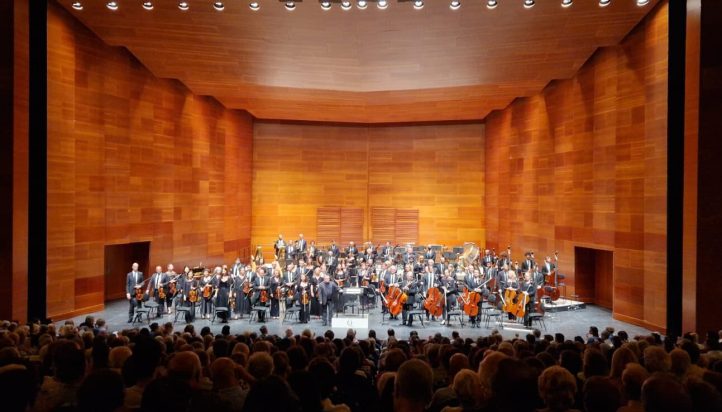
(224, 290)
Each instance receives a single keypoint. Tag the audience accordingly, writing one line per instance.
(49, 367)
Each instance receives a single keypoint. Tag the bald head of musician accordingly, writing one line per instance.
(134, 267)
(409, 276)
(326, 278)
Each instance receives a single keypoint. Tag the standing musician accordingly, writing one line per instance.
(430, 253)
(488, 258)
(169, 275)
(276, 284)
(331, 262)
(429, 279)
(207, 285)
(392, 279)
(449, 286)
(303, 296)
(177, 285)
(475, 284)
(241, 291)
(528, 286)
(387, 251)
(342, 281)
(237, 267)
(222, 295)
(441, 266)
(312, 251)
(133, 279)
(315, 281)
(261, 283)
(528, 261)
(409, 256)
(548, 266)
(364, 280)
(410, 288)
(279, 247)
(334, 249)
(157, 281)
(351, 250)
(301, 245)
(190, 283)
(328, 294)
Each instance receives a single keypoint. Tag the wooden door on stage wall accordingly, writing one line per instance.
(118, 262)
(594, 276)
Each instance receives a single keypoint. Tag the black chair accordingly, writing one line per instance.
(138, 314)
(217, 310)
(456, 313)
(291, 313)
(181, 310)
(256, 310)
(419, 313)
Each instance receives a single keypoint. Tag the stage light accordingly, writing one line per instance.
(566, 3)
(418, 4)
(326, 5)
(491, 4)
(642, 2)
(148, 5)
(77, 5)
(218, 6)
(183, 5)
(254, 5)
(529, 4)
(112, 5)
(382, 4)
(346, 5)
(604, 3)
(361, 4)
(454, 5)
(290, 5)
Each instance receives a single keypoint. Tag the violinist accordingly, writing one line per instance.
(303, 296)
(223, 294)
(342, 281)
(241, 284)
(207, 284)
(190, 284)
(260, 284)
(449, 286)
(157, 281)
(169, 275)
(132, 280)
(429, 280)
(410, 287)
(364, 278)
(175, 286)
(276, 284)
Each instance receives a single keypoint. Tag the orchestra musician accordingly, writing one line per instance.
(177, 284)
(328, 291)
(303, 296)
(189, 283)
(223, 295)
(132, 280)
(529, 287)
(548, 267)
(392, 279)
(429, 279)
(241, 284)
(475, 283)
(351, 250)
(207, 285)
(312, 251)
(387, 251)
(528, 261)
(276, 283)
(157, 281)
(316, 280)
(430, 253)
(488, 258)
(301, 245)
(410, 288)
(279, 247)
(260, 283)
(169, 275)
(451, 291)
(334, 249)
(409, 255)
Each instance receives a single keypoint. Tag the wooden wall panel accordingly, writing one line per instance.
(134, 158)
(383, 225)
(436, 169)
(328, 225)
(584, 164)
(352, 226)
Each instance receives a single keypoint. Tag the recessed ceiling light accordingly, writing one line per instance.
(254, 5)
(361, 4)
(382, 4)
(529, 4)
(604, 3)
(219, 6)
(183, 5)
(642, 2)
(418, 4)
(491, 4)
(148, 5)
(346, 5)
(112, 5)
(77, 5)
(326, 5)
(290, 5)
(454, 5)
(567, 3)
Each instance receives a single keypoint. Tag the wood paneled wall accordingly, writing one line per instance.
(584, 164)
(437, 169)
(134, 158)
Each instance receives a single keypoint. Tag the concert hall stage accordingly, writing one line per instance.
(570, 322)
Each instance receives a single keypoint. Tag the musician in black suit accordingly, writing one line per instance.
(488, 258)
(548, 267)
(331, 262)
(475, 283)
(409, 256)
(430, 253)
(352, 250)
(334, 249)
(261, 283)
(528, 262)
(301, 245)
(387, 251)
(158, 281)
(529, 287)
(279, 246)
(328, 291)
(411, 288)
(132, 279)
(448, 284)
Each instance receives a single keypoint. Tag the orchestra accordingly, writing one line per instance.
(316, 280)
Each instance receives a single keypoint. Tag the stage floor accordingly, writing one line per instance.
(571, 323)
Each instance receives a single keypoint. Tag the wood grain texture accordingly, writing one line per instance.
(134, 158)
(584, 164)
(435, 169)
(372, 65)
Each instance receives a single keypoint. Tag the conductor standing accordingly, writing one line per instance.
(329, 294)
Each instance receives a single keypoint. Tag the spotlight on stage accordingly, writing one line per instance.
(455, 5)
(418, 4)
(219, 6)
(491, 4)
(254, 5)
(567, 3)
(529, 4)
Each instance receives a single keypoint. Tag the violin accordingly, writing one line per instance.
(304, 296)
(173, 288)
(138, 293)
(263, 296)
(207, 291)
(246, 287)
(161, 293)
(193, 295)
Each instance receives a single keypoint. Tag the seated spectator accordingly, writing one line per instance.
(633, 377)
(101, 391)
(601, 395)
(59, 391)
(226, 385)
(468, 390)
(413, 386)
(662, 393)
(557, 388)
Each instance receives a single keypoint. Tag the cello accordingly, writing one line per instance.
(470, 302)
(396, 299)
(434, 302)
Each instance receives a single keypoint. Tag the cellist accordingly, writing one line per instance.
(429, 280)
(410, 288)
(529, 286)
(392, 279)
(475, 284)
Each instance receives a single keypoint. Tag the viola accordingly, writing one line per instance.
(207, 291)
(246, 287)
(139, 293)
(304, 297)
(263, 296)
(173, 288)
(434, 302)
(193, 295)
(161, 293)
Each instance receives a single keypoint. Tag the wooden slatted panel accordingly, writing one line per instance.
(383, 225)
(352, 225)
(328, 225)
(407, 226)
